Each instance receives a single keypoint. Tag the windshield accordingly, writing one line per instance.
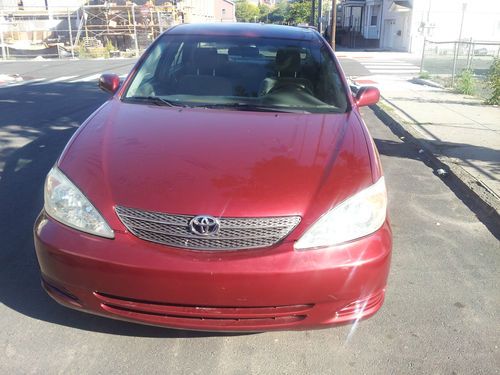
(265, 74)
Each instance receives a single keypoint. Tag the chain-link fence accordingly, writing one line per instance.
(447, 61)
(87, 31)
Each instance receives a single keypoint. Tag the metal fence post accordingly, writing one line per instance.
(160, 23)
(455, 56)
(469, 54)
(423, 57)
(135, 31)
(70, 35)
(4, 53)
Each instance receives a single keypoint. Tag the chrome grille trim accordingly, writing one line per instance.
(234, 233)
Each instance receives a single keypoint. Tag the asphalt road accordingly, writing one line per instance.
(442, 308)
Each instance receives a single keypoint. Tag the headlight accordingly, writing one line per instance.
(67, 204)
(358, 216)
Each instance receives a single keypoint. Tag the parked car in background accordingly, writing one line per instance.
(229, 184)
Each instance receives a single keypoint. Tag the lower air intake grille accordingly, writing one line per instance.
(233, 233)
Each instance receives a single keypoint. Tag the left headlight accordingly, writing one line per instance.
(356, 217)
(66, 203)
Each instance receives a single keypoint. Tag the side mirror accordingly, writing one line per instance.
(109, 83)
(367, 96)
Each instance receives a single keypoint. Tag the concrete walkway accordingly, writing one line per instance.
(456, 128)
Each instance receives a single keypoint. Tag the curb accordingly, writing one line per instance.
(6, 79)
(486, 204)
(427, 82)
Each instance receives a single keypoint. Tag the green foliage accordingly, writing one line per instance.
(424, 75)
(279, 13)
(109, 46)
(291, 12)
(299, 11)
(493, 82)
(246, 12)
(94, 52)
(264, 11)
(465, 83)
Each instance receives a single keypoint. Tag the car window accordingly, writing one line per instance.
(222, 71)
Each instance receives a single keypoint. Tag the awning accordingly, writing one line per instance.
(401, 6)
(353, 3)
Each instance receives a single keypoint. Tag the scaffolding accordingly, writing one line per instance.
(87, 31)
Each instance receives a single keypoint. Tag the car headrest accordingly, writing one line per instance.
(246, 51)
(287, 61)
(205, 59)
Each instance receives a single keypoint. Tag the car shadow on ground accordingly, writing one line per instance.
(34, 128)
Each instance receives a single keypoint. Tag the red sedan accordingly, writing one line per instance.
(228, 184)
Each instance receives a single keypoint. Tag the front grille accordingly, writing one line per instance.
(234, 233)
(204, 317)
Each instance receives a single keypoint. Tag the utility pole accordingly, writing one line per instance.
(320, 16)
(457, 45)
(136, 42)
(70, 35)
(464, 8)
(333, 24)
(313, 12)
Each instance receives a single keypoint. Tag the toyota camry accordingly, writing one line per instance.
(229, 183)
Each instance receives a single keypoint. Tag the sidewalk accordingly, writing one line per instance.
(459, 130)
(9, 78)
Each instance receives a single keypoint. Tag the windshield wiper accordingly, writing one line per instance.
(154, 100)
(252, 107)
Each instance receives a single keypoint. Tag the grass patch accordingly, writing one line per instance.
(465, 82)
(424, 75)
(385, 107)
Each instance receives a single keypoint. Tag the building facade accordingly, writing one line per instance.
(196, 11)
(224, 11)
(402, 25)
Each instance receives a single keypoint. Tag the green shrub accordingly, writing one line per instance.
(465, 83)
(109, 48)
(424, 75)
(493, 82)
(95, 52)
(81, 51)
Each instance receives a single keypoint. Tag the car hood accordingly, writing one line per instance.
(216, 162)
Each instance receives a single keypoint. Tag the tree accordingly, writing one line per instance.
(280, 12)
(264, 11)
(299, 11)
(246, 12)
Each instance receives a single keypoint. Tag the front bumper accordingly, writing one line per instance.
(253, 290)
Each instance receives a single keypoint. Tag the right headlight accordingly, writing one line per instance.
(66, 203)
(356, 217)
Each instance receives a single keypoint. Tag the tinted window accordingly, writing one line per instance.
(275, 74)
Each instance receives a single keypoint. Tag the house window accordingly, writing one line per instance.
(374, 17)
(224, 12)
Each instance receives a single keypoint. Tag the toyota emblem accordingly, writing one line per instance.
(204, 225)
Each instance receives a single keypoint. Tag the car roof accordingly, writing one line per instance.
(257, 30)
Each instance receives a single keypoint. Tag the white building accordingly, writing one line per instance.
(402, 25)
(196, 11)
(39, 5)
(441, 20)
